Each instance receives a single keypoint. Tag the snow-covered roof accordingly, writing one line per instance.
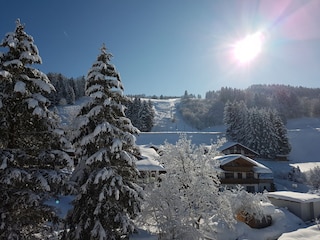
(148, 162)
(258, 167)
(294, 196)
(148, 151)
(231, 144)
(149, 165)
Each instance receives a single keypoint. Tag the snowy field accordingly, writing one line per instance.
(304, 136)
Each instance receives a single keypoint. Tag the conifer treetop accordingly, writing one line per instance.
(103, 74)
(21, 46)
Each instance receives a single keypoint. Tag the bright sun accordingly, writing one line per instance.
(248, 48)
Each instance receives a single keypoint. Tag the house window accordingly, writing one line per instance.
(239, 175)
(228, 175)
(250, 175)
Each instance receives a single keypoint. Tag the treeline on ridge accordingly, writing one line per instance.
(290, 102)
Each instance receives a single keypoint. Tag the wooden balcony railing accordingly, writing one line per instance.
(244, 181)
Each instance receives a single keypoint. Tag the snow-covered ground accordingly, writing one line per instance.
(304, 136)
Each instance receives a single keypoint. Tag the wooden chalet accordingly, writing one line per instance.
(236, 169)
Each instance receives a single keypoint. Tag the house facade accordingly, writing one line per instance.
(237, 148)
(237, 169)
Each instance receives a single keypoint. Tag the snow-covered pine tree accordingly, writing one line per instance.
(283, 144)
(145, 117)
(151, 115)
(228, 119)
(32, 159)
(268, 137)
(133, 111)
(258, 131)
(109, 198)
(235, 119)
(241, 119)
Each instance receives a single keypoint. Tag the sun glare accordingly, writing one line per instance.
(248, 48)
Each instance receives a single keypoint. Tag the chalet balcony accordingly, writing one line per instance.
(244, 181)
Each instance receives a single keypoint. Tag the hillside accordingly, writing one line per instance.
(169, 124)
(167, 118)
(304, 136)
(303, 133)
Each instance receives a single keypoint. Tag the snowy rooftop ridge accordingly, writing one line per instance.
(259, 168)
(148, 161)
(231, 144)
(294, 196)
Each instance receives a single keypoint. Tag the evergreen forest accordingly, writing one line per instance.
(290, 102)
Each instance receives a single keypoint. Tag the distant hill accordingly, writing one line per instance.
(191, 113)
(290, 102)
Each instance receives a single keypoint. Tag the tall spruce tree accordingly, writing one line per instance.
(283, 144)
(109, 198)
(234, 119)
(32, 159)
(151, 115)
(252, 130)
(145, 117)
(229, 120)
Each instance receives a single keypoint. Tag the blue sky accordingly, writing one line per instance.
(169, 46)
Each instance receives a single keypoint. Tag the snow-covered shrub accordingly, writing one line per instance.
(296, 175)
(246, 206)
(187, 199)
(313, 177)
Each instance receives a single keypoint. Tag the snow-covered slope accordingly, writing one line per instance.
(165, 115)
(303, 133)
(304, 136)
(68, 112)
(169, 124)
(168, 118)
